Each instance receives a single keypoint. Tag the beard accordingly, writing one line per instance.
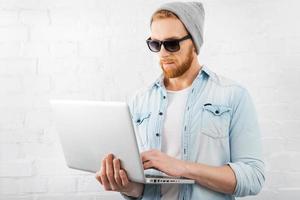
(177, 69)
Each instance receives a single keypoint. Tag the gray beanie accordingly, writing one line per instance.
(191, 14)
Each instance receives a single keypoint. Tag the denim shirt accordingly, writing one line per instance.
(220, 127)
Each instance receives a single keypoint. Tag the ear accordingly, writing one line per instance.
(194, 49)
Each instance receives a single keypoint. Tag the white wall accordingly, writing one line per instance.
(92, 49)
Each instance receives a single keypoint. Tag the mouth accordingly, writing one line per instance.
(168, 62)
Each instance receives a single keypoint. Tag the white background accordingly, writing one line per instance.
(92, 49)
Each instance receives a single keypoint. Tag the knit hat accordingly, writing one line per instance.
(191, 14)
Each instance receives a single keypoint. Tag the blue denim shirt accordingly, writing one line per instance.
(220, 127)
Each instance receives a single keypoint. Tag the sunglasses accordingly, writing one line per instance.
(171, 45)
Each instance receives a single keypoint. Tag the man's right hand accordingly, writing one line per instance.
(113, 178)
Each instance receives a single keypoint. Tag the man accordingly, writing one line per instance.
(191, 122)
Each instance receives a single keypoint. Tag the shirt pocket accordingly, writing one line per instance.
(141, 118)
(215, 120)
(141, 124)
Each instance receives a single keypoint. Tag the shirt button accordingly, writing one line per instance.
(217, 112)
(157, 134)
(160, 113)
(138, 121)
(164, 97)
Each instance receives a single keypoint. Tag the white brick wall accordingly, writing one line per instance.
(91, 49)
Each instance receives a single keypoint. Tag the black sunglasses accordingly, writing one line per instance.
(171, 45)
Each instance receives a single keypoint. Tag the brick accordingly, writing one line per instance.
(9, 151)
(64, 16)
(278, 112)
(62, 184)
(50, 33)
(10, 49)
(292, 179)
(7, 136)
(17, 168)
(39, 150)
(55, 66)
(29, 4)
(35, 49)
(65, 196)
(34, 17)
(8, 17)
(263, 195)
(293, 45)
(37, 119)
(34, 185)
(289, 193)
(274, 180)
(273, 145)
(20, 66)
(29, 135)
(292, 144)
(56, 167)
(13, 34)
(108, 195)
(36, 85)
(95, 18)
(92, 66)
(11, 118)
(9, 186)
(288, 129)
(89, 184)
(17, 197)
(284, 161)
(68, 83)
(270, 128)
(63, 49)
(12, 85)
(94, 49)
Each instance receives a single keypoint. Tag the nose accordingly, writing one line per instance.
(163, 52)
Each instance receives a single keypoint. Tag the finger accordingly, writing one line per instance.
(98, 173)
(151, 164)
(145, 156)
(110, 172)
(147, 164)
(103, 176)
(124, 178)
(98, 177)
(148, 155)
(116, 165)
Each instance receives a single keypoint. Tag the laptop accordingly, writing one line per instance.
(89, 130)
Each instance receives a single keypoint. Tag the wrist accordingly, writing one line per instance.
(134, 190)
(184, 170)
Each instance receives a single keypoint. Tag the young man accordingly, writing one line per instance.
(192, 122)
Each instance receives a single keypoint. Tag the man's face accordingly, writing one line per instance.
(173, 64)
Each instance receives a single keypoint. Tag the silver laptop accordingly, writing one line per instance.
(89, 130)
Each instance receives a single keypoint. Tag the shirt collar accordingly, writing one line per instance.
(160, 80)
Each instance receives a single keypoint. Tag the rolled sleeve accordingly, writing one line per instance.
(246, 148)
(131, 198)
(149, 192)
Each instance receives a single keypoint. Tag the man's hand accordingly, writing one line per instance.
(163, 162)
(217, 178)
(114, 178)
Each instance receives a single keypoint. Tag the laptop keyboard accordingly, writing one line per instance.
(160, 176)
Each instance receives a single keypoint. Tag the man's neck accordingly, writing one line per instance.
(184, 80)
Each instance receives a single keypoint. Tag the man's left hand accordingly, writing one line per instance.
(163, 162)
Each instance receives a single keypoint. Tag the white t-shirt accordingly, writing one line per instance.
(171, 137)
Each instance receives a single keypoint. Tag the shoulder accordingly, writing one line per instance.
(227, 89)
(136, 99)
